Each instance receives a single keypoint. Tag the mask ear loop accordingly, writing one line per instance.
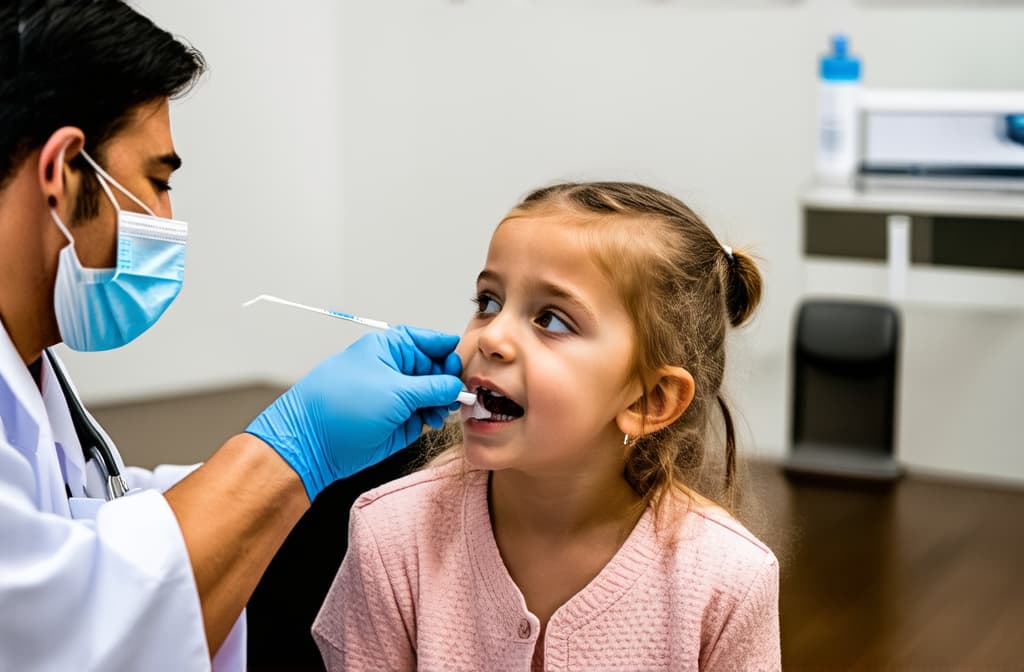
(104, 177)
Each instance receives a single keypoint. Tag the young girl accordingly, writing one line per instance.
(571, 528)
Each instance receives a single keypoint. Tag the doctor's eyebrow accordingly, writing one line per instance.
(171, 160)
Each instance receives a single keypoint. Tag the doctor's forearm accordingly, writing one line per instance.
(235, 512)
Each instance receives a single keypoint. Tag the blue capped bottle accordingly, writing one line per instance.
(838, 108)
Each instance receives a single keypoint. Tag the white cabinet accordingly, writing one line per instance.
(962, 248)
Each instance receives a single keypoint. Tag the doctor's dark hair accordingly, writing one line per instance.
(683, 290)
(83, 63)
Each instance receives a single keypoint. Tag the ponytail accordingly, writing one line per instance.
(742, 286)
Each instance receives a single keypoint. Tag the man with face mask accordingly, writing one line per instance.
(98, 572)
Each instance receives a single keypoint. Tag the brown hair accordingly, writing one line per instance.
(682, 289)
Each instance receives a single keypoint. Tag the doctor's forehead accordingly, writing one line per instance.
(145, 139)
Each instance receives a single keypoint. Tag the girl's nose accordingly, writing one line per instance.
(497, 338)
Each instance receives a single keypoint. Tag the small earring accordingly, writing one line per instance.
(625, 439)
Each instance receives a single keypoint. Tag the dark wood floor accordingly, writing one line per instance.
(926, 576)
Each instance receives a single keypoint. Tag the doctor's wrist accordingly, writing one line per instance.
(271, 473)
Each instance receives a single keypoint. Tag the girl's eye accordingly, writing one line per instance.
(548, 320)
(486, 305)
(160, 185)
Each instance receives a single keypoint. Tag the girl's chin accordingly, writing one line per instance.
(488, 456)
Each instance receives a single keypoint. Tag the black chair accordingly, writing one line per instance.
(288, 597)
(844, 391)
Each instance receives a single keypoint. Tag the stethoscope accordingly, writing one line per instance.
(94, 445)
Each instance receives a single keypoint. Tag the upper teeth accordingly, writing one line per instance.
(491, 392)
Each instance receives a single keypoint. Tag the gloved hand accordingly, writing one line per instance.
(363, 404)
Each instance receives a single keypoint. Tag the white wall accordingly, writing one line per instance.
(261, 188)
(372, 147)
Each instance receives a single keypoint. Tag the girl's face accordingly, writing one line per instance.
(553, 338)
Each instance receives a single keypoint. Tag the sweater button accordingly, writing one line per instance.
(524, 629)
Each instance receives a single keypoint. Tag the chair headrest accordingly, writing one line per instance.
(847, 331)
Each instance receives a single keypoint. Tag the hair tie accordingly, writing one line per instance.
(728, 253)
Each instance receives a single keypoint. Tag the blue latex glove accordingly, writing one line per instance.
(363, 404)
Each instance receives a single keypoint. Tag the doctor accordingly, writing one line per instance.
(91, 577)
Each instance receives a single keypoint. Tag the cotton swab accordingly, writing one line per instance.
(465, 398)
(365, 321)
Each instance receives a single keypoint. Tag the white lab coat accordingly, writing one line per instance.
(108, 588)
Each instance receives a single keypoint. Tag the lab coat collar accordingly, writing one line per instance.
(26, 428)
(21, 391)
(48, 410)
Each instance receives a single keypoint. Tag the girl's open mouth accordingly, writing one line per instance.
(493, 406)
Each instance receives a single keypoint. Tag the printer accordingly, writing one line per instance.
(945, 139)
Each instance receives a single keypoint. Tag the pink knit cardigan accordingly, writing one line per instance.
(423, 587)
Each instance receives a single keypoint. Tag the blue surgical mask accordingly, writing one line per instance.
(105, 308)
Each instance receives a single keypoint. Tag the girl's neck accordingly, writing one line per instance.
(561, 505)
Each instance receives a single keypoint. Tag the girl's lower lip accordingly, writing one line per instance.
(483, 426)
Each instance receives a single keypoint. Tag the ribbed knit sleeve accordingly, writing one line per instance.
(361, 625)
(749, 641)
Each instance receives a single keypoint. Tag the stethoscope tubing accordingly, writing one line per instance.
(94, 445)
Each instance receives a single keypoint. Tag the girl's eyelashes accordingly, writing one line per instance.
(486, 304)
(551, 322)
(548, 319)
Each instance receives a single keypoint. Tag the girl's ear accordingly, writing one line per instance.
(668, 397)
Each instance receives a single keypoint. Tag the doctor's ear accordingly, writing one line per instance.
(668, 396)
(56, 183)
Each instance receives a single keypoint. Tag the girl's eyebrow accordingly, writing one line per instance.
(547, 288)
(566, 296)
(488, 275)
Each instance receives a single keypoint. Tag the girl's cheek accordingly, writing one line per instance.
(466, 347)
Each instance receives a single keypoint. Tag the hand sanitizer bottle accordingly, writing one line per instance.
(838, 111)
